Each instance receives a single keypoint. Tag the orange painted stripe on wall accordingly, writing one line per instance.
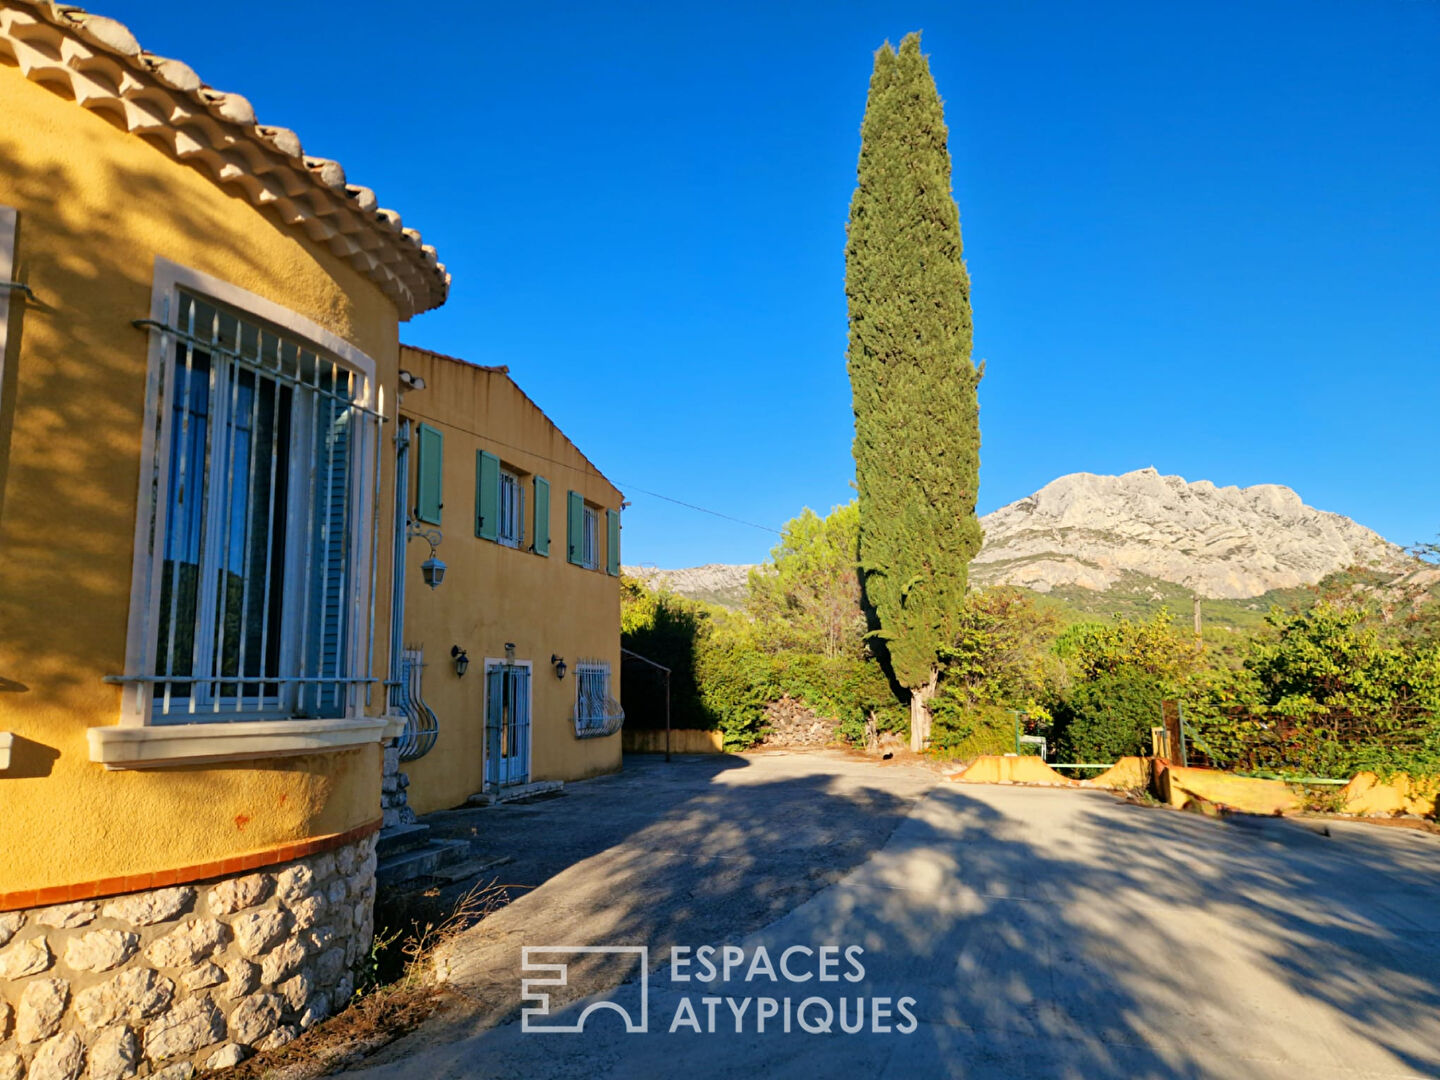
(131, 883)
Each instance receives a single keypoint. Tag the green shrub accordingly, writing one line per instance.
(968, 731)
(1108, 717)
(733, 684)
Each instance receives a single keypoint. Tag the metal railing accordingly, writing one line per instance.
(258, 530)
(422, 726)
(596, 713)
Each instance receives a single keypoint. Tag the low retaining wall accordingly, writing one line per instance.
(171, 979)
(682, 741)
(1368, 796)
(1127, 774)
(1181, 787)
(1364, 796)
(1007, 769)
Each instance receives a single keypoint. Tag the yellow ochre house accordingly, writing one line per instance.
(521, 643)
(256, 558)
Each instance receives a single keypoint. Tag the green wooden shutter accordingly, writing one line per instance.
(575, 530)
(487, 495)
(541, 531)
(430, 455)
(612, 542)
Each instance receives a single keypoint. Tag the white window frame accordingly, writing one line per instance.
(591, 668)
(137, 739)
(515, 513)
(590, 537)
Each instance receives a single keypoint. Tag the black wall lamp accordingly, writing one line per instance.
(462, 662)
(559, 662)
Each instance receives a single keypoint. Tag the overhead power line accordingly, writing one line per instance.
(702, 509)
(593, 471)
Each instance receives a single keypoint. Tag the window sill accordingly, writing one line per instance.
(193, 744)
(6, 739)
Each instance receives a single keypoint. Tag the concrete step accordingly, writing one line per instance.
(418, 865)
(471, 869)
(398, 838)
(514, 794)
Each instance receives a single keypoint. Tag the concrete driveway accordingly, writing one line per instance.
(1040, 933)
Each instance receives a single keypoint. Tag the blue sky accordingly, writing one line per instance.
(1204, 237)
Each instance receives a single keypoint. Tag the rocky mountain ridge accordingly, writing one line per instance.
(720, 583)
(1089, 531)
(1222, 542)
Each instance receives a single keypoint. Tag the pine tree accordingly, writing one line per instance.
(917, 428)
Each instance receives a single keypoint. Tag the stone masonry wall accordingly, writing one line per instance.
(164, 981)
(394, 804)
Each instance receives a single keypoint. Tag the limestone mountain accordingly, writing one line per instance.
(1091, 534)
(716, 583)
(1223, 542)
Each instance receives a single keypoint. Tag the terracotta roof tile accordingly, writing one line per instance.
(107, 70)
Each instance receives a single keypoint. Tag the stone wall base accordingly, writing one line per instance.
(166, 981)
(394, 803)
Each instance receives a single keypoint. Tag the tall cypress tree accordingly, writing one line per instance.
(917, 426)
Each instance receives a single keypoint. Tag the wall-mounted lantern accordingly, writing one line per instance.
(432, 569)
(559, 662)
(510, 652)
(462, 661)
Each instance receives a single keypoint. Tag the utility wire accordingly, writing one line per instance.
(703, 510)
(487, 438)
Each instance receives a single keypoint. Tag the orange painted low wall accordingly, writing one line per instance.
(1127, 774)
(1180, 787)
(682, 741)
(1366, 795)
(1006, 769)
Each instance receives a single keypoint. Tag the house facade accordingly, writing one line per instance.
(199, 365)
(529, 533)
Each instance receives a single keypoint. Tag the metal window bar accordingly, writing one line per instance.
(422, 726)
(596, 712)
(256, 601)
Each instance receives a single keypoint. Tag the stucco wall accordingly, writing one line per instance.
(96, 207)
(494, 594)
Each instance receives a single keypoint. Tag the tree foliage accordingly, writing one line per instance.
(917, 433)
(1108, 717)
(807, 598)
(1336, 658)
(1328, 690)
(1156, 646)
(1000, 653)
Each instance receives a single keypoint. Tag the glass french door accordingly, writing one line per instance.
(507, 724)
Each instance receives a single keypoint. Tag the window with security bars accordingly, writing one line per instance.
(260, 521)
(596, 712)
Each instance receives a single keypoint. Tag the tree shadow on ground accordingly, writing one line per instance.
(1041, 933)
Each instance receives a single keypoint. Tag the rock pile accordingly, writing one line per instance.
(791, 723)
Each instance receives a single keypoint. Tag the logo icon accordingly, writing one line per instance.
(550, 961)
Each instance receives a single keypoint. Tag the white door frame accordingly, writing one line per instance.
(500, 661)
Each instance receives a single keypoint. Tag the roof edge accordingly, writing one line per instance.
(106, 70)
(504, 370)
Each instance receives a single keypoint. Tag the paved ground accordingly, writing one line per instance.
(1040, 933)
